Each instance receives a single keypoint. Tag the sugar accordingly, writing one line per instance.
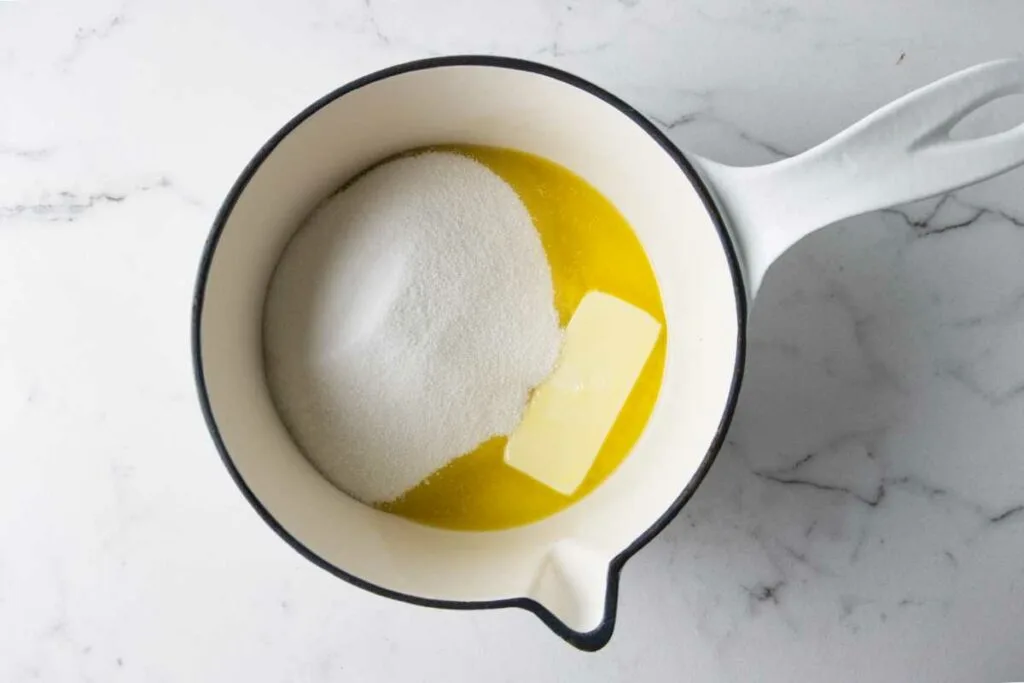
(407, 321)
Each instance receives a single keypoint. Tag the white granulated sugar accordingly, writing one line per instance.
(407, 321)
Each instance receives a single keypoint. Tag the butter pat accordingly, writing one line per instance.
(604, 349)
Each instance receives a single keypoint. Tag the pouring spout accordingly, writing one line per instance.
(572, 584)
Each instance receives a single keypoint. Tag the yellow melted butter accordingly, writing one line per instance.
(589, 246)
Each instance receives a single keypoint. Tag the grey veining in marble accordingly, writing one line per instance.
(864, 521)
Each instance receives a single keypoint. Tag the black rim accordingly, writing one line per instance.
(590, 640)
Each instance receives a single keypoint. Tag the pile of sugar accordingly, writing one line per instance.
(407, 321)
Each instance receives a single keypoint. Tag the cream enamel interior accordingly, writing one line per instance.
(562, 561)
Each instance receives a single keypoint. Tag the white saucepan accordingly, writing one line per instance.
(710, 231)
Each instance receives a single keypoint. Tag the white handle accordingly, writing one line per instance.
(900, 153)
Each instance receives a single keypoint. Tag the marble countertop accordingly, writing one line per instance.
(865, 520)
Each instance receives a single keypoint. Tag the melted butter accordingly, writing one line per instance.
(589, 246)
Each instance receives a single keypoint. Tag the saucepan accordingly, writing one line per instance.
(710, 231)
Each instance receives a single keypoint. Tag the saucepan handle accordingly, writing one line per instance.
(900, 153)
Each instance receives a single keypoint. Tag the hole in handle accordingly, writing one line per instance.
(997, 116)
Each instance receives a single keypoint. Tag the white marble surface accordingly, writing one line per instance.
(864, 521)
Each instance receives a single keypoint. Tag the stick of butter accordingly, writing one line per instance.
(606, 344)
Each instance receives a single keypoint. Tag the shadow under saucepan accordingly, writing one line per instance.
(873, 470)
